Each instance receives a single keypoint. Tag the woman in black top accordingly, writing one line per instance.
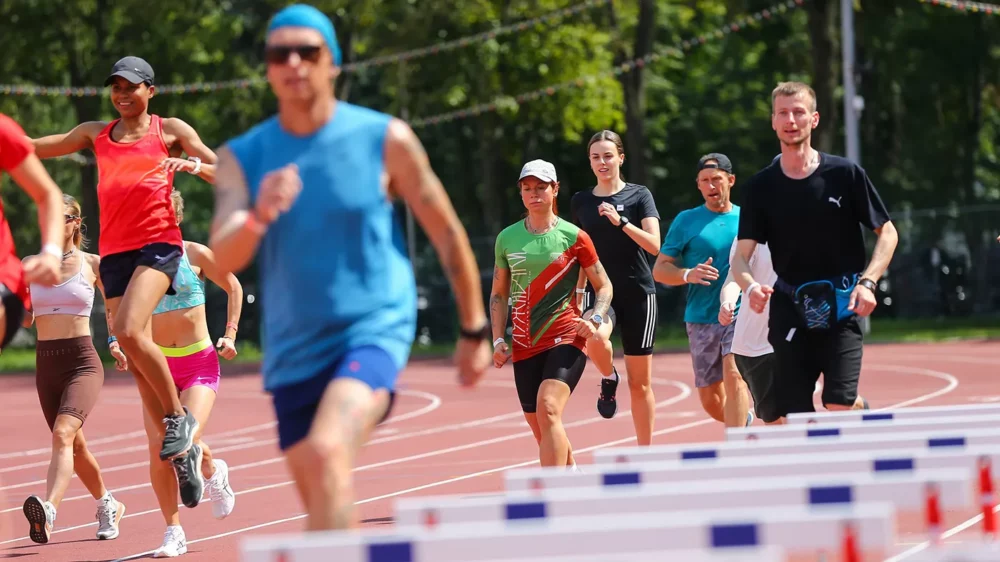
(622, 220)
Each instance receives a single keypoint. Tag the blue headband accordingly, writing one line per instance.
(301, 15)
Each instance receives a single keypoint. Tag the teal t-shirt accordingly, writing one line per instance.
(694, 236)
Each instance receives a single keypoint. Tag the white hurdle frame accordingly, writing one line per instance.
(907, 491)
(752, 554)
(916, 412)
(955, 439)
(837, 428)
(796, 530)
(884, 462)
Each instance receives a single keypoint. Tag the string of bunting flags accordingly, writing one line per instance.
(244, 83)
(961, 6)
(679, 48)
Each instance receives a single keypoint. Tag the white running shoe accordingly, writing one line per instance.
(174, 543)
(223, 498)
(109, 513)
(42, 517)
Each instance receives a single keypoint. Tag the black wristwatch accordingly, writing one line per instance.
(483, 333)
(622, 222)
(868, 284)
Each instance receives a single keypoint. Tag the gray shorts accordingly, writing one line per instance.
(709, 343)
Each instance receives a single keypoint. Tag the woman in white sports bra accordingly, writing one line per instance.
(69, 376)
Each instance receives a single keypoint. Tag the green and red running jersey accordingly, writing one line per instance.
(544, 270)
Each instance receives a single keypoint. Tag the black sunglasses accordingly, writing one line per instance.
(70, 217)
(279, 54)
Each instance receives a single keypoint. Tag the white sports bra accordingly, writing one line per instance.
(74, 296)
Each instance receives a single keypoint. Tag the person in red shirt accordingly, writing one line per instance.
(140, 242)
(17, 158)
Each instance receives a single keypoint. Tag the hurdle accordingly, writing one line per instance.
(752, 554)
(861, 428)
(951, 489)
(867, 528)
(958, 438)
(900, 413)
(979, 459)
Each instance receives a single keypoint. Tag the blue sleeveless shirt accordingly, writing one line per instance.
(334, 270)
(189, 287)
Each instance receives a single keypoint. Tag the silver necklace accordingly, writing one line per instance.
(547, 228)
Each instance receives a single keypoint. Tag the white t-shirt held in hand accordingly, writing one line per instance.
(750, 334)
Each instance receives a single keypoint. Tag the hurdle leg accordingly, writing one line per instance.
(933, 514)
(987, 498)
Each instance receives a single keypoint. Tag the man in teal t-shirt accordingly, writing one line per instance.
(696, 253)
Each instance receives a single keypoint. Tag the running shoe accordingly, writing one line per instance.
(189, 477)
(109, 513)
(42, 516)
(174, 543)
(607, 406)
(223, 498)
(178, 436)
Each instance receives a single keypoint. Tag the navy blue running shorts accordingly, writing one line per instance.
(295, 405)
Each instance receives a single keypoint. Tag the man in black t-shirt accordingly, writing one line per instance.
(809, 207)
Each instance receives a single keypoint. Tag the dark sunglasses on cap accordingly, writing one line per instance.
(279, 54)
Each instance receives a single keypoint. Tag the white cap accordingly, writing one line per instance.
(541, 169)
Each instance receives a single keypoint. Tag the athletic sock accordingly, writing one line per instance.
(106, 497)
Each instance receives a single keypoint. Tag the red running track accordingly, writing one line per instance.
(441, 439)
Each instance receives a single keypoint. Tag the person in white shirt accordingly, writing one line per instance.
(753, 353)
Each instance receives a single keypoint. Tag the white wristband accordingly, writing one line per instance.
(53, 249)
(197, 164)
(686, 272)
(497, 342)
(751, 287)
(581, 291)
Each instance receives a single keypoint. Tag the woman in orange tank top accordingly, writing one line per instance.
(140, 243)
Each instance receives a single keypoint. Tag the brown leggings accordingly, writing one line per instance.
(69, 376)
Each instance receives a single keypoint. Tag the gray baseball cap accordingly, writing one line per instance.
(133, 69)
(540, 169)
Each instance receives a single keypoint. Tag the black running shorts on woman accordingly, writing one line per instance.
(634, 316)
(563, 363)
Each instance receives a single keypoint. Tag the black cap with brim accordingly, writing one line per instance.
(715, 160)
(133, 69)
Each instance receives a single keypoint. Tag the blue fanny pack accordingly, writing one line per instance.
(822, 304)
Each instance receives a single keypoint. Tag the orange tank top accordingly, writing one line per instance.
(133, 191)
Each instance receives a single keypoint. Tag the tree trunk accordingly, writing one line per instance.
(826, 68)
(633, 87)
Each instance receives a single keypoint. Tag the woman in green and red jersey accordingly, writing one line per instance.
(538, 263)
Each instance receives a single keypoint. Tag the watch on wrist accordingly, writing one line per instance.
(597, 319)
(868, 284)
(622, 222)
(483, 333)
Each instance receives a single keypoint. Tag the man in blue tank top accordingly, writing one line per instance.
(311, 190)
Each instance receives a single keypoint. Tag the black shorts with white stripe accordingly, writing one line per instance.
(635, 319)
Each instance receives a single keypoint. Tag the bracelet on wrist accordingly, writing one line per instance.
(686, 273)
